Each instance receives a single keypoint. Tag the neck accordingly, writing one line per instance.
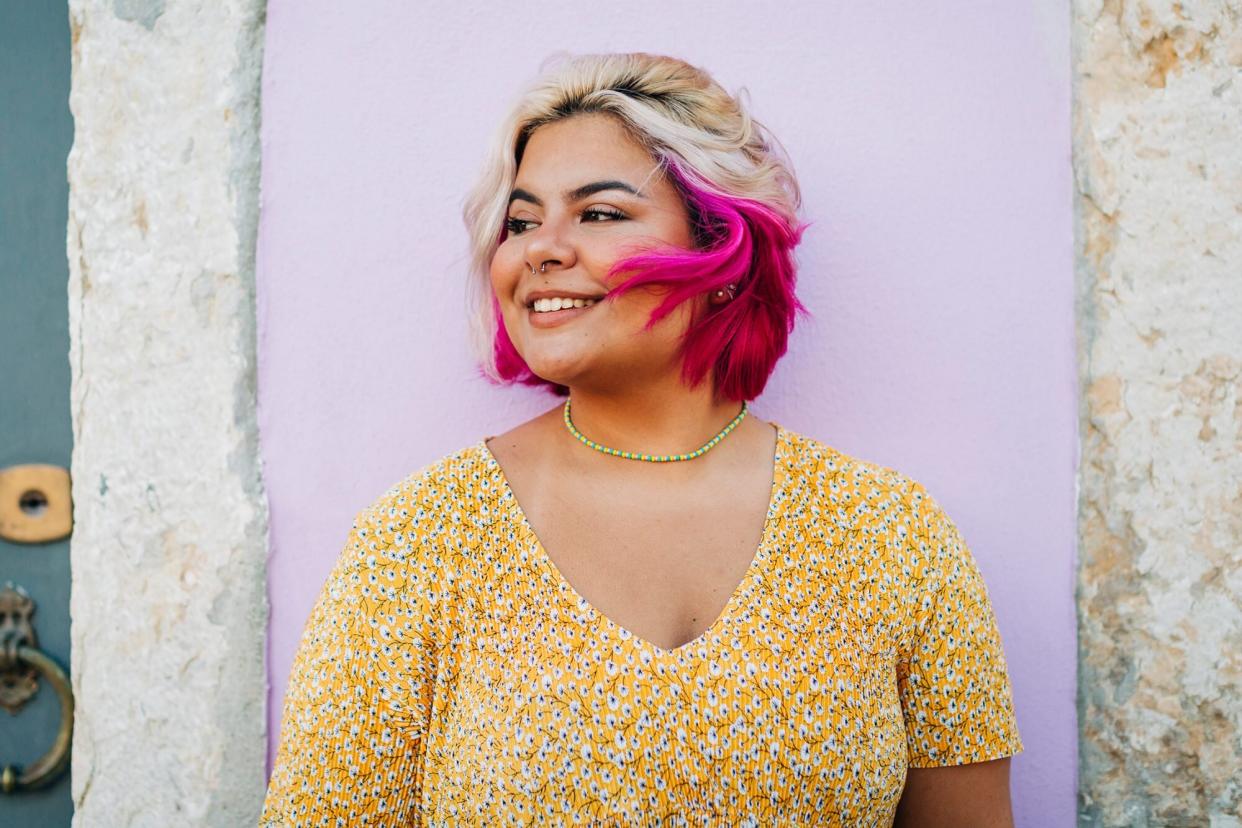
(667, 419)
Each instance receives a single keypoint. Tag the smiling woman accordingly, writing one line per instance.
(744, 627)
(740, 235)
(577, 233)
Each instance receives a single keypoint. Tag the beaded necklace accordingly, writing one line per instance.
(654, 458)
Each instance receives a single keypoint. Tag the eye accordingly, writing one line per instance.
(517, 226)
(599, 214)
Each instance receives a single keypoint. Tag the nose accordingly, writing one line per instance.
(548, 248)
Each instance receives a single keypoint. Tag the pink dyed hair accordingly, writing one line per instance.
(741, 242)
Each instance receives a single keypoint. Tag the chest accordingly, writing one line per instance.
(751, 728)
(660, 562)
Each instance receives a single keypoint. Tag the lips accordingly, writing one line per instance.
(562, 294)
(551, 318)
(556, 303)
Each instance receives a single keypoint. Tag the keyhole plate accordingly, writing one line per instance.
(35, 504)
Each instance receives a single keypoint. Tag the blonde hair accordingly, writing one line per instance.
(676, 111)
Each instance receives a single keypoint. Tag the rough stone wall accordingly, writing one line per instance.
(169, 598)
(1158, 165)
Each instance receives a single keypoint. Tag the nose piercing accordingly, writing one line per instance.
(543, 268)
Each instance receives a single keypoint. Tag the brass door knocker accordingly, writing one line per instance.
(21, 664)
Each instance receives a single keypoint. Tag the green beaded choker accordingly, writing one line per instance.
(654, 458)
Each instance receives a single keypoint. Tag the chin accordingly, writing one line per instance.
(562, 370)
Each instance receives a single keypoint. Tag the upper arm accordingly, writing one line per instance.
(953, 680)
(360, 688)
(961, 796)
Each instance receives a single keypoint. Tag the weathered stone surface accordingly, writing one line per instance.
(1158, 165)
(168, 605)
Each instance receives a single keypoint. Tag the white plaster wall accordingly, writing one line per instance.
(1158, 162)
(168, 558)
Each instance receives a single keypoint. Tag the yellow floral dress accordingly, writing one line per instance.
(449, 675)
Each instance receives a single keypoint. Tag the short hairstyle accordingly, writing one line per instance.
(739, 190)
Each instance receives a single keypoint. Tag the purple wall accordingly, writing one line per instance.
(933, 145)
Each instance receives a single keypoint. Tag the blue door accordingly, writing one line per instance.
(36, 131)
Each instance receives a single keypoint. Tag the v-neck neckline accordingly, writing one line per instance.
(741, 592)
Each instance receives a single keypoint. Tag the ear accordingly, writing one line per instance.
(722, 296)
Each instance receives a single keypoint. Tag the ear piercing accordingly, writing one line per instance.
(726, 290)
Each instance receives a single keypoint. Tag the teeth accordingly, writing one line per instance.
(560, 303)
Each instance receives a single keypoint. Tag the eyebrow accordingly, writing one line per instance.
(576, 194)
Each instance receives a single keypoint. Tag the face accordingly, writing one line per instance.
(587, 196)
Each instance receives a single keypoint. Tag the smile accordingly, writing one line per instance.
(559, 303)
(554, 311)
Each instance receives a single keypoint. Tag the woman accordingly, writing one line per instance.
(646, 606)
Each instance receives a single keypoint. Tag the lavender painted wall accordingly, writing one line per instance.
(933, 146)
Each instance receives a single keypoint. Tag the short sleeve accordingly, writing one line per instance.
(360, 688)
(953, 681)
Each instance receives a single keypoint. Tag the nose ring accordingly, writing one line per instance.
(543, 268)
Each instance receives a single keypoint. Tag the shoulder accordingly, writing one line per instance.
(882, 524)
(875, 492)
(405, 547)
(453, 491)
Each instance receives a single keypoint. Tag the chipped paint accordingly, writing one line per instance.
(1158, 167)
(143, 12)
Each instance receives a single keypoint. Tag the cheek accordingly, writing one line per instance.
(503, 272)
(677, 231)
